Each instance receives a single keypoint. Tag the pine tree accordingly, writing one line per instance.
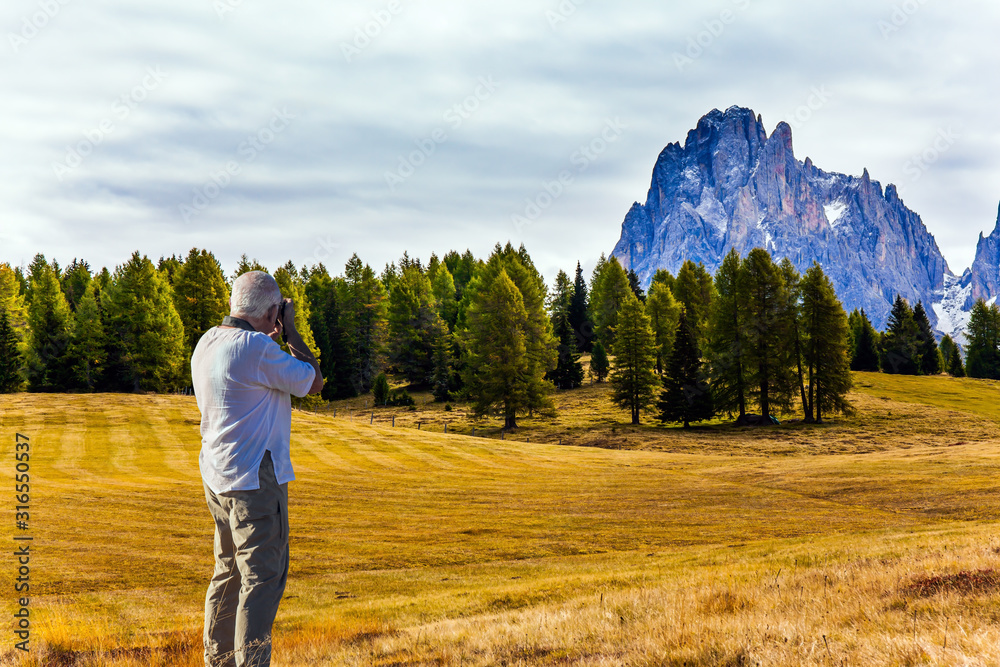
(865, 354)
(50, 331)
(599, 364)
(769, 374)
(380, 389)
(568, 373)
(982, 352)
(145, 333)
(930, 360)
(694, 290)
(12, 298)
(664, 313)
(247, 265)
(496, 343)
(87, 353)
(443, 286)
(441, 378)
(955, 368)
(11, 363)
(579, 320)
(825, 334)
(168, 268)
(900, 344)
(727, 349)
(634, 382)
(686, 396)
(74, 281)
(609, 289)
(365, 322)
(636, 286)
(201, 295)
(412, 313)
(541, 348)
(331, 330)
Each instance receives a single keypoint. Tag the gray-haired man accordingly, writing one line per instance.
(243, 383)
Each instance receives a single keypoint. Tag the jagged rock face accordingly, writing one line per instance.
(986, 267)
(732, 186)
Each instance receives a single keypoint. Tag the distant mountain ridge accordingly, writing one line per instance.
(732, 186)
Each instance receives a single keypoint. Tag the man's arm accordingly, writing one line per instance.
(298, 347)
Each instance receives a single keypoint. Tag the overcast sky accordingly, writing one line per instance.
(310, 130)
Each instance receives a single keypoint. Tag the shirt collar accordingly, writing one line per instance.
(230, 321)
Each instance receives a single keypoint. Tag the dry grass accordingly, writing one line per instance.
(784, 546)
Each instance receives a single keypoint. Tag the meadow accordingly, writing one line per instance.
(576, 540)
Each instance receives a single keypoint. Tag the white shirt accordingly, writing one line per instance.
(242, 382)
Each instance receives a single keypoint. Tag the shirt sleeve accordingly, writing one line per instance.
(279, 370)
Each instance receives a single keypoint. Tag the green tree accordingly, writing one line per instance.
(201, 295)
(87, 351)
(568, 373)
(499, 371)
(443, 286)
(955, 367)
(246, 265)
(664, 313)
(50, 330)
(441, 377)
(930, 360)
(609, 289)
(579, 318)
(599, 364)
(825, 351)
(769, 375)
(74, 281)
(694, 290)
(636, 286)
(412, 314)
(331, 330)
(380, 389)
(365, 308)
(292, 287)
(634, 381)
(12, 299)
(727, 351)
(686, 396)
(900, 343)
(11, 362)
(982, 352)
(145, 333)
(865, 341)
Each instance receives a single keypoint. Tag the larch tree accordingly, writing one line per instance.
(727, 350)
(145, 333)
(769, 376)
(412, 314)
(11, 362)
(664, 313)
(600, 366)
(825, 352)
(694, 289)
(982, 351)
(365, 307)
(634, 382)
(87, 351)
(201, 295)
(50, 331)
(609, 289)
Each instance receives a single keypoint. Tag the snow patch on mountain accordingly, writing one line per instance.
(953, 319)
(834, 212)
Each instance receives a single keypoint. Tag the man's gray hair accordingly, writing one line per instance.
(254, 293)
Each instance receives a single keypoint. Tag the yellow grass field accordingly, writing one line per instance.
(869, 540)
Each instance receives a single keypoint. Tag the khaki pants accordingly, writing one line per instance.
(251, 568)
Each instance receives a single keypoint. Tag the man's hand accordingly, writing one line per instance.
(296, 345)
